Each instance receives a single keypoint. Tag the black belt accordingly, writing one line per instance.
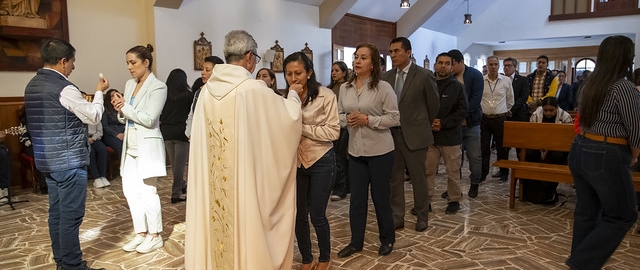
(396, 128)
(491, 116)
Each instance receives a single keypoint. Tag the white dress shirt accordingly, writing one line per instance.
(497, 97)
(71, 99)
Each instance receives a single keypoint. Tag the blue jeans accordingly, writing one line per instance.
(67, 197)
(313, 188)
(374, 171)
(98, 160)
(606, 203)
(471, 145)
(178, 152)
(114, 143)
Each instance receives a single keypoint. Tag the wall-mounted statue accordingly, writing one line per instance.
(20, 8)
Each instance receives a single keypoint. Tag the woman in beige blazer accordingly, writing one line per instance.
(143, 157)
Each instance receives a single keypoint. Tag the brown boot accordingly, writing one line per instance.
(323, 265)
(306, 266)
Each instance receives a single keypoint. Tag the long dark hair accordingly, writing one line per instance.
(614, 62)
(375, 62)
(553, 101)
(177, 86)
(343, 67)
(312, 83)
(107, 101)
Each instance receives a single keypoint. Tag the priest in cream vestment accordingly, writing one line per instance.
(242, 168)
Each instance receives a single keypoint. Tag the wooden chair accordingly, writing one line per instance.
(114, 163)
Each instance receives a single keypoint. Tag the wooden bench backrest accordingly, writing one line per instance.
(528, 135)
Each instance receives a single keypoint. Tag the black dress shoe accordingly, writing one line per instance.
(385, 249)
(452, 208)
(445, 195)
(177, 200)
(348, 251)
(83, 266)
(421, 226)
(504, 178)
(473, 191)
(498, 174)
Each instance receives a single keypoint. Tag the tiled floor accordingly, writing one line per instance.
(484, 234)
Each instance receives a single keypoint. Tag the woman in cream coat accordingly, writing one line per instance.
(143, 157)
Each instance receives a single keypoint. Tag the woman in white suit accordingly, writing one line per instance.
(143, 150)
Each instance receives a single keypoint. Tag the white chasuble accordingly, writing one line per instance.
(241, 186)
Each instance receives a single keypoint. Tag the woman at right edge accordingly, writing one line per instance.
(601, 156)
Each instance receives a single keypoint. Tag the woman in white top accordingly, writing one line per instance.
(143, 153)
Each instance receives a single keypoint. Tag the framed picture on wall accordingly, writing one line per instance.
(308, 51)
(278, 58)
(201, 49)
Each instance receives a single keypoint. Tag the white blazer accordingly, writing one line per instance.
(145, 114)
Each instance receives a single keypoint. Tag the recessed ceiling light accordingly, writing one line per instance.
(502, 42)
(587, 36)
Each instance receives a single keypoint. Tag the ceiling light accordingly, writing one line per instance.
(467, 17)
(405, 4)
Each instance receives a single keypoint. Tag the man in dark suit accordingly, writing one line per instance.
(418, 102)
(564, 94)
(520, 94)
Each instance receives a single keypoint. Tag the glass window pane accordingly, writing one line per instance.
(522, 67)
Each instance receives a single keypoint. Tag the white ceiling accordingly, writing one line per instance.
(389, 10)
(448, 20)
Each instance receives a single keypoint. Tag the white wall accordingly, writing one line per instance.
(427, 42)
(525, 19)
(101, 31)
(290, 23)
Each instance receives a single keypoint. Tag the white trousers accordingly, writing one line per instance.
(142, 197)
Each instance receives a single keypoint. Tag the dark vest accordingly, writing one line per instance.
(59, 137)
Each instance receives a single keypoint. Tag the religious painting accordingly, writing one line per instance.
(24, 26)
(201, 50)
(278, 58)
(308, 51)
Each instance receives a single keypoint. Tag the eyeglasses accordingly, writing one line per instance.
(258, 58)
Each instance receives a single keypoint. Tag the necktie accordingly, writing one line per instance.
(399, 83)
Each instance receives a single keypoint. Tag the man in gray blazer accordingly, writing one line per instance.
(419, 102)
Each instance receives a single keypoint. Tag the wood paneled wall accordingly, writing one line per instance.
(10, 108)
(352, 30)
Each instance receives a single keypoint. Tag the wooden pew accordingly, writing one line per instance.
(535, 136)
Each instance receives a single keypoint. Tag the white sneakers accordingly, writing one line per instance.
(101, 182)
(131, 246)
(144, 244)
(150, 244)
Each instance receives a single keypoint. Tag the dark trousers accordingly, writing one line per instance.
(178, 152)
(114, 143)
(67, 198)
(5, 168)
(606, 203)
(98, 160)
(313, 188)
(415, 162)
(341, 186)
(374, 171)
(492, 127)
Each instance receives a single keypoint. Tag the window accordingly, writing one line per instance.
(584, 64)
